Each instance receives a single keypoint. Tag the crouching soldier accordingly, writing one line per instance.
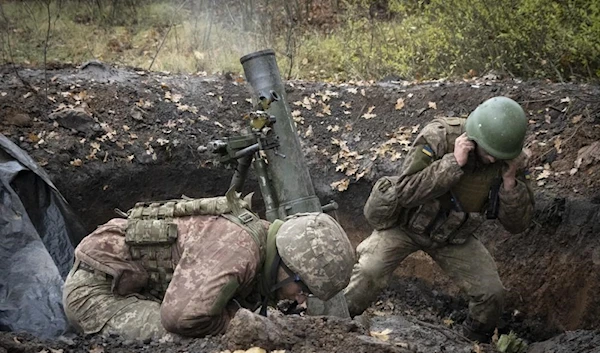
(458, 173)
(187, 266)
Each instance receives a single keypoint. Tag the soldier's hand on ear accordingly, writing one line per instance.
(462, 147)
(509, 172)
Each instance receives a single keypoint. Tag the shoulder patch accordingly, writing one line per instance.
(427, 151)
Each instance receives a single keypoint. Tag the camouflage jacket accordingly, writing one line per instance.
(430, 174)
(215, 261)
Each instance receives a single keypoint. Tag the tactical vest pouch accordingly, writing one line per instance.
(425, 218)
(448, 224)
(150, 232)
(471, 224)
(442, 226)
(150, 235)
(381, 209)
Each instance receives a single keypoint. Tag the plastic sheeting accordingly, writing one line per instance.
(38, 232)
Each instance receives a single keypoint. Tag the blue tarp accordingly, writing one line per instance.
(38, 232)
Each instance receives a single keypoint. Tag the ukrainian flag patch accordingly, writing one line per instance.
(428, 151)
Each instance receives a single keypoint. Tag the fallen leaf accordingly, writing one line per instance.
(573, 171)
(399, 104)
(557, 144)
(341, 185)
(33, 137)
(383, 335)
(576, 119)
(543, 175)
(309, 131)
(80, 96)
(432, 105)
(369, 115)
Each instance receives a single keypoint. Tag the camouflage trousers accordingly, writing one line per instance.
(91, 307)
(469, 265)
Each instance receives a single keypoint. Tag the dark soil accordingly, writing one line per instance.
(110, 137)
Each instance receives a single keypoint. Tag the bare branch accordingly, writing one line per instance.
(166, 35)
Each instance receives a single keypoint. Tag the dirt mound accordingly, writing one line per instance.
(108, 143)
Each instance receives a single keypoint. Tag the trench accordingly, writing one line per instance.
(550, 271)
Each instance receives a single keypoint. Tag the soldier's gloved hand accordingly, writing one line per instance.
(462, 147)
(289, 307)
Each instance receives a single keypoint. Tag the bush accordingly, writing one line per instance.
(439, 38)
(331, 39)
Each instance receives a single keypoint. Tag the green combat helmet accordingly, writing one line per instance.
(498, 125)
(316, 248)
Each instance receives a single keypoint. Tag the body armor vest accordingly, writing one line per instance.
(151, 231)
(454, 216)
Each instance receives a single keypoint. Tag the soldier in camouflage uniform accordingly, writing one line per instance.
(457, 172)
(187, 266)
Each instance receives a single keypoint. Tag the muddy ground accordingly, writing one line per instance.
(112, 136)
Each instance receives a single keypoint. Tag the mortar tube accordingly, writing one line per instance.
(290, 178)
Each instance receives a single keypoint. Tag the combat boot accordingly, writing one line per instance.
(476, 331)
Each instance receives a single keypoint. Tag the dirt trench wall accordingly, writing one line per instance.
(143, 136)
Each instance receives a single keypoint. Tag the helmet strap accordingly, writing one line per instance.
(291, 279)
(272, 278)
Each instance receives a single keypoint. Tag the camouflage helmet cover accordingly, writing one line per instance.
(315, 247)
(498, 125)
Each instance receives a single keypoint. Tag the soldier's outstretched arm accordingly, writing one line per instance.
(427, 171)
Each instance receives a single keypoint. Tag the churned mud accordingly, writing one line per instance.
(112, 136)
